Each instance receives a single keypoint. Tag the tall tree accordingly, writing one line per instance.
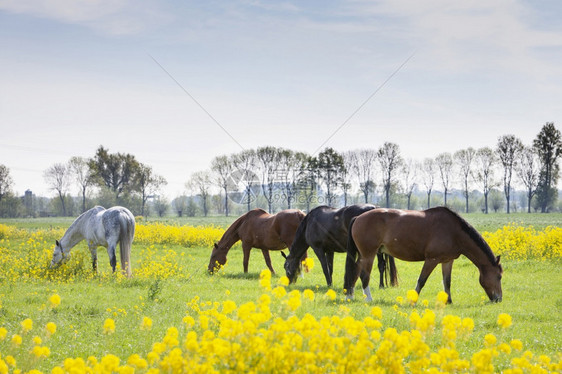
(428, 177)
(81, 173)
(464, 158)
(245, 163)
(330, 170)
(200, 182)
(222, 168)
(116, 171)
(509, 147)
(409, 178)
(390, 161)
(6, 181)
(349, 160)
(57, 177)
(364, 168)
(485, 162)
(148, 184)
(528, 171)
(444, 162)
(548, 145)
(269, 159)
(292, 168)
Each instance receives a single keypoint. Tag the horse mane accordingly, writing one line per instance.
(473, 234)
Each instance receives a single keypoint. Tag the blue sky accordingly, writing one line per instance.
(79, 74)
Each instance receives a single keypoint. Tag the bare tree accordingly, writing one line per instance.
(6, 181)
(292, 166)
(349, 160)
(428, 177)
(465, 158)
(80, 171)
(200, 182)
(269, 159)
(484, 174)
(390, 161)
(528, 170)
(444, 162)
(148, 183)
(222, 168)
(245, 163)
(409, 178)
(509, 147)
(330, 170)
(364, 169)
(57, 177)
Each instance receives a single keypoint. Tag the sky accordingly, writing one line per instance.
(176, 83)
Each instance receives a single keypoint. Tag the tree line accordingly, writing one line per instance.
(278, 178)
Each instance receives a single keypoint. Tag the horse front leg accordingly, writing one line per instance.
(267, 259)
(447, 268)
(427, 268)
(321, 254)
(246, 249)
(94, 254)
(112, 258)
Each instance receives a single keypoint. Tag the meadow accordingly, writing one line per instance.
(173, 316)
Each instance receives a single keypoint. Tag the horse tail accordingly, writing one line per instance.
(391, 270)
(126, 236)
(350, 261)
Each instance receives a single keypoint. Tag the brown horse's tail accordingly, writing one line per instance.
(350, 262)
(391, 270)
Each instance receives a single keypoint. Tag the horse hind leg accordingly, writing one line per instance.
(382, 270)
(112, 257)
(267, 259)
(365, 275)
(94, 255)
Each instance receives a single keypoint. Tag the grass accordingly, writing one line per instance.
(531, 296)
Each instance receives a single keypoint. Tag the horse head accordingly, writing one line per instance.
(292, 267)
(218, 259)
(59, 255)
(491, 280)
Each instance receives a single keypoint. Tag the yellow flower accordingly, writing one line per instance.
(283, 281)
(376, 312)
(27, 324)
(308, 294)
(3, 333)
(442, 298)
(331, 294)
(11, 361)
(16, 340)
(308, 263)
(109, 326)
(489, 340)
(504, 320)
(279, 292)
(54, 300)
(146, 323)
(228, 306)
(412, 296)
(51, 328)
(516, 344)
(37, 340)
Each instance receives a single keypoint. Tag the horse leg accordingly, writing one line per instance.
(447, 268)
(111, 253)
(267, 260)
(94, 254)
(321, 254)
(381, 265)
(246, 249)
(366, 266)
(427, 268)
(330, 260)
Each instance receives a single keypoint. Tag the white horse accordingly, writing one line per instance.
(100, 227)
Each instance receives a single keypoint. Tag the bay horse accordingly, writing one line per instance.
(435, 236)
(325, 229)
(257, 229)
(100, 227)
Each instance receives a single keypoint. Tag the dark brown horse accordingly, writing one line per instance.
(325, 230)
(257, 229)
(435, 236)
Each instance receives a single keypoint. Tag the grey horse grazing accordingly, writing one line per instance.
(100, 227)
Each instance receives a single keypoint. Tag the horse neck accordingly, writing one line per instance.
(472, 251)
(74, 234)
(230, 236)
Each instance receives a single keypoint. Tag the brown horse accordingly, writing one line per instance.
(435, 236)
(258, 229)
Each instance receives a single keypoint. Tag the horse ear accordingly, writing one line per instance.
(57, 243)
(215, 245)
(284, 255)
(498, 260)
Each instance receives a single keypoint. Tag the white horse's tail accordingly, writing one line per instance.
(127, 222)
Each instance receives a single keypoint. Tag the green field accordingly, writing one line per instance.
(531, 296)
